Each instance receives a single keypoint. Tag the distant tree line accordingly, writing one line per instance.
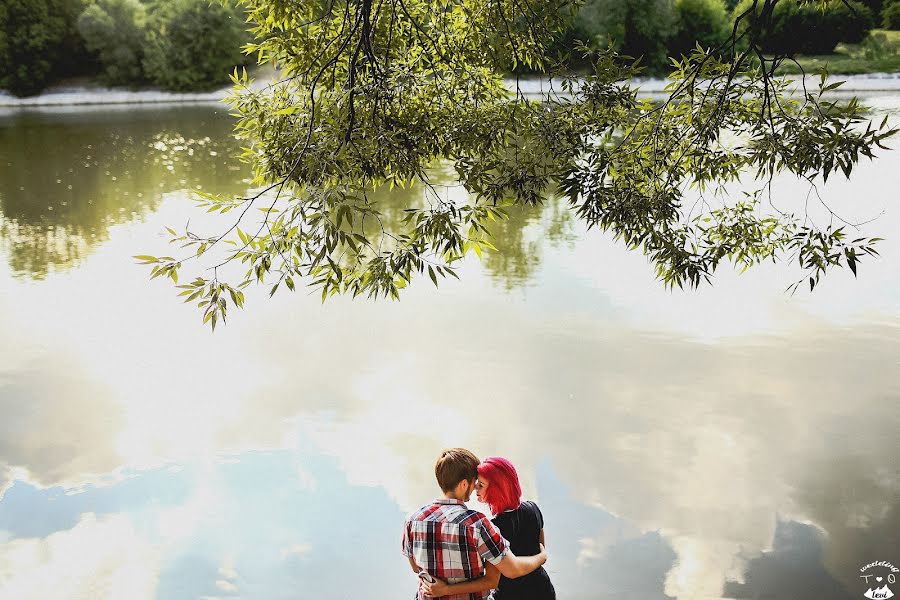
(178, 45)
(658, 29)
(189, 45)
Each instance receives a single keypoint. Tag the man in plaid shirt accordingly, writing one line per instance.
(449, 541)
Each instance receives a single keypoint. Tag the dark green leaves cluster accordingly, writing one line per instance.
(38, 40)
(376, 93)
(192, 45)
(174, 44)
(799, 27)
(721, 124)
(115, 31)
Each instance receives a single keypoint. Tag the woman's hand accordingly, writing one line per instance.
(436, 589)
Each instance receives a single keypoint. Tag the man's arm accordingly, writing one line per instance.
(513, 566)
(412, 563)
(407, 546)
(488, 581)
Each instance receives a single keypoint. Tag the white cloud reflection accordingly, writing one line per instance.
(98, 558)
(700, 441)
(701, 417)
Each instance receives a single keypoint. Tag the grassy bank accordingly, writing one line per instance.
(878, 54)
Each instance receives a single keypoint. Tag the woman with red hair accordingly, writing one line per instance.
(521, 523)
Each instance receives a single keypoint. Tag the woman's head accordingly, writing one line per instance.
(498, 485)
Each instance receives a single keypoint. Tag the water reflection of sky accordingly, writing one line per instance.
(66, 177)
(733, 442)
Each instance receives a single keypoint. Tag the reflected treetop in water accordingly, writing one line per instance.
(520, 235)
(66, 178)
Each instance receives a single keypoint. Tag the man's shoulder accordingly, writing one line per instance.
(468, 516)
(458, 514)
(423, 512)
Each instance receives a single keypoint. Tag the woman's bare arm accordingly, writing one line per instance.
(513, 566)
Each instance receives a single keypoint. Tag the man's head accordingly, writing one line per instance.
(456, 471)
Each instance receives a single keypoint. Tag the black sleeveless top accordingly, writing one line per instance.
(522, 529)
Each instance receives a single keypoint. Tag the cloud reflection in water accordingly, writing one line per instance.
(681, 445)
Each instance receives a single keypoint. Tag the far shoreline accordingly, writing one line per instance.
(87, 96)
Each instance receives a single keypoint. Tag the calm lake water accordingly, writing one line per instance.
(731, 442)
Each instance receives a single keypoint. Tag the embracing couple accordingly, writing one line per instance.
(459, 554)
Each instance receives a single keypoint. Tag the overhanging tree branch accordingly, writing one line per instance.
(376, 92)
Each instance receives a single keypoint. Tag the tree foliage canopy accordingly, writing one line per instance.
(703, 22)
(807, 27)
(373, 92)
(114, 29)
(184, 45)
(37, 37)
(192, 45)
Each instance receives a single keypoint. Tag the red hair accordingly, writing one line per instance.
(503, 491)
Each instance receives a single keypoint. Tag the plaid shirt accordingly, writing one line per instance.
(452, 542)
